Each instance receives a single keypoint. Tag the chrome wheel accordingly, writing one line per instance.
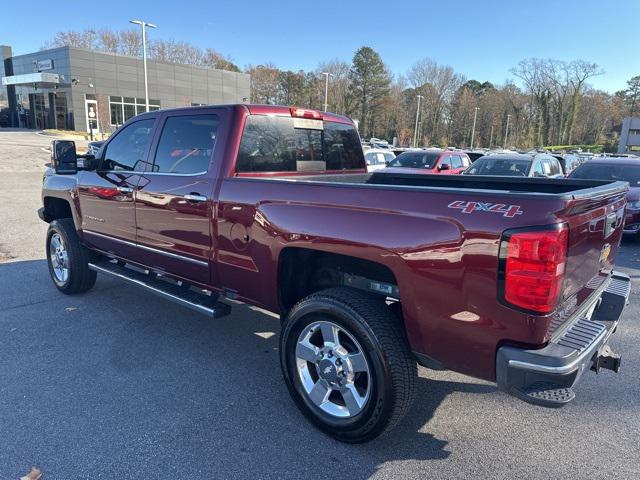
(333, 369)
(59, 258)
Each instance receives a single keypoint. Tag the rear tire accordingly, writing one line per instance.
(363, 324)
(68, 259)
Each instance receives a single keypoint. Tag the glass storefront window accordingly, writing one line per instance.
(129, 111)
(117, 117)
(123, 108)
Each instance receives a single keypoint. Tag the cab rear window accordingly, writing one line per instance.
(275, 144)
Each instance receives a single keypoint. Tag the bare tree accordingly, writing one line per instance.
(579, 72)
(265, 83)
(108, 41)
(130, 42)
(339, 83)
(438, 84)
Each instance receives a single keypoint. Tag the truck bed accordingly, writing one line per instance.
(565, 189)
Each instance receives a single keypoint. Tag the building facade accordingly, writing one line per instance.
(76, 89)
(630, 136)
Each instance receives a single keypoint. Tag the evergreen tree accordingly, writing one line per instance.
(369, 85)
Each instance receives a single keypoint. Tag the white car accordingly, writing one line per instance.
(377, 158)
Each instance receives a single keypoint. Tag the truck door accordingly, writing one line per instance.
(174, 206)
(107, 195)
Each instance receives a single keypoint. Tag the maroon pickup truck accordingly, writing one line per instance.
(510, 280)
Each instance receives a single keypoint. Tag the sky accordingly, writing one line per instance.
(482, 40)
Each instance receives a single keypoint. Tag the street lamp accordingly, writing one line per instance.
(326, 89)
(144, 24)
(506, 132)
(415, 133)
(473, 130)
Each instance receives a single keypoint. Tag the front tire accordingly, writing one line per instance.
(68, 259)
(347, 363)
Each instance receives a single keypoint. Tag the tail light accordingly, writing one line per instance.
(306, 113)
(532, 266)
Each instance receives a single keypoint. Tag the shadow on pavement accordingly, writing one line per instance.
(127, 382)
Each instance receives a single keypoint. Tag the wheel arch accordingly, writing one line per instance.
(303, 271)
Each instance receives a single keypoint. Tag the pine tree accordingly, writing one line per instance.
(369, 85)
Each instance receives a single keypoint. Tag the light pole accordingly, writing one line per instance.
(473, 130)
(506, 132)
(326, 89)
(415, 133)
(144, 24)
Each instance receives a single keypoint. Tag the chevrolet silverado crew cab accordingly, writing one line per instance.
(510, 280)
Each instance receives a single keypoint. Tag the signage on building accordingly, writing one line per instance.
(30, 78)
(42, 65)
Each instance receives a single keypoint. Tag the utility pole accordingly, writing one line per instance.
(144, 24)
(506, 132)
(415, 133)
(473, 130)
(326, 89)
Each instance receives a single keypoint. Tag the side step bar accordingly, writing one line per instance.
(181, 294)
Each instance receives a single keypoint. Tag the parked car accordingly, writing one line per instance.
(378, 158)
(429, 161)
(568, 162)
(502, 279)
(474, 154)
(94, 147)
(516, 165)
(617, 169)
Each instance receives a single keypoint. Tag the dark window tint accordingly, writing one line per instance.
(186, 144)
(341, 146)
(274, 144)
(625, 173)
(128, 146)
(500, 166)
(415, 160)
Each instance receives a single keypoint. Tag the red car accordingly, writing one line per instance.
(507, 279)
(616, 168)
(447, 162)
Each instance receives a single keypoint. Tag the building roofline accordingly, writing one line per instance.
(149, 60)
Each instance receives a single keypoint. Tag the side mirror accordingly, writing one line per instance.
(386, 163)
(444, 166)
(63, 156)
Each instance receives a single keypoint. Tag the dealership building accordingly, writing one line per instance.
(76, 89)
(630, 136)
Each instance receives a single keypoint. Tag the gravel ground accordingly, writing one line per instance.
(119, 384)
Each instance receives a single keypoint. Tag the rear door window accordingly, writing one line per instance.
(186, 144)
(275, 144)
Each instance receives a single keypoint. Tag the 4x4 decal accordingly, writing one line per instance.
(508, 211)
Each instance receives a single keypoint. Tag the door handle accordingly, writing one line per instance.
(124, 189)
(195, 198)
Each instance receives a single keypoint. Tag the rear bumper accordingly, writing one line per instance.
(573, 350)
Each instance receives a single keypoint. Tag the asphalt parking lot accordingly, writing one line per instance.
(118, 384)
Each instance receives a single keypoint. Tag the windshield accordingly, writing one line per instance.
(625, 173)
(500, 166)
(415, 160)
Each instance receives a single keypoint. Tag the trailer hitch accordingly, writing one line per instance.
(606, 358)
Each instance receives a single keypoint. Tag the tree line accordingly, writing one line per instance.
(548, 102)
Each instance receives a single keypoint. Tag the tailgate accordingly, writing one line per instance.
(595, 230)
